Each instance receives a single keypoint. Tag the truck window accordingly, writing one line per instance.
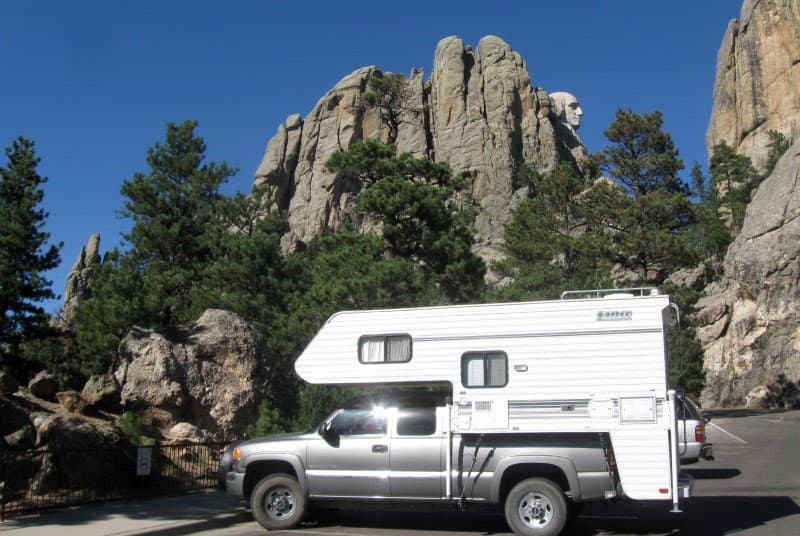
(360, 422)
(384, 348)
(484, 369)
(416, 421)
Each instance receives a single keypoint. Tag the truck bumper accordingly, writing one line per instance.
(234, 484)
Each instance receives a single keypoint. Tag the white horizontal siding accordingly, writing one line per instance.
(643, 461)
(555, 339)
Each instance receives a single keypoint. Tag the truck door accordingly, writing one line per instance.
(353, 459)
(416, 461)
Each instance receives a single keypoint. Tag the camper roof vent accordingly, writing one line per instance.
(618, 293)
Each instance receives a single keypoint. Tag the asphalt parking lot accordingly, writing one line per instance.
(751, 488)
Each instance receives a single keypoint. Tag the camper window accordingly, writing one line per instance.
(384, 349)
(484, 369)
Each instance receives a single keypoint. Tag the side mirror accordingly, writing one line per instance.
(326, 429)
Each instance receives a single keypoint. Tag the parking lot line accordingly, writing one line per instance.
(724, 431)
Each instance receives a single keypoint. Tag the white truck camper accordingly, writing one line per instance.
(594, 361)
(535, 408)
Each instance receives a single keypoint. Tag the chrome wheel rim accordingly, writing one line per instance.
(279, 503)
(535, 510)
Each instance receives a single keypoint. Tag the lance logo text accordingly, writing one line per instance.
(623, 314)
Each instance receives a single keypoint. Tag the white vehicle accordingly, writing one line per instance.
(549, 404)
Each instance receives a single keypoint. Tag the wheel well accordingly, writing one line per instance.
(517, 473)
(258, 470)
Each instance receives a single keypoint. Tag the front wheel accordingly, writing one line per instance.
(278, 502)
(536, 507)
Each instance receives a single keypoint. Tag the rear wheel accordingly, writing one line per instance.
(278, 502)
(536, 507)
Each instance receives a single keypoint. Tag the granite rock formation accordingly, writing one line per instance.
(211, 372)
(76, 289)
(757, 86)
(750, 324)
(478, 112)
(102, 392)
(43, 385)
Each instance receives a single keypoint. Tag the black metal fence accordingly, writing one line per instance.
(33, 480)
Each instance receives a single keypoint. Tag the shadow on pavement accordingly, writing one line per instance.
(100, 518)
(713, 474)
(707, 516)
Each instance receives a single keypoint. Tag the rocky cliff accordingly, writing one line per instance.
(750, 324)
(757, 87)
(750, 329)
(478, 112)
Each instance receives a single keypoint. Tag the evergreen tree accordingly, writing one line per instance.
(387, 93)
(174, 208)
(709, 234)
(777, 145)
(415, 201)
(117, 302)
(24, 254)
(555, 240)
(649, 222)
(246, 274)
(160, 279)
(734, 176)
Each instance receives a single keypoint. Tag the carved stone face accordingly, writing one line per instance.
(566, 109)
(572, 112)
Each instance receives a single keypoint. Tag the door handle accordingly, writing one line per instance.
(380, 448)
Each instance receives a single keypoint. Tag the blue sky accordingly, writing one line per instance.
(94, 83)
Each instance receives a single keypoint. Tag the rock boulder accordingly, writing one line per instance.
(212, 371)
(44, 385)
(102, 391)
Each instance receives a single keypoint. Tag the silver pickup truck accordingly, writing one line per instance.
(398, 449)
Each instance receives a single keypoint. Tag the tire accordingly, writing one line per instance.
(278, 502)
(536, 507)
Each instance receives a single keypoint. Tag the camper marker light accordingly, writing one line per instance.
(663, 490)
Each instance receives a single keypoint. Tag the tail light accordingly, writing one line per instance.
(700, 433)
(612, 461)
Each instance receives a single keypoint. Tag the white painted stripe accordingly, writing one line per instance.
(724, 431)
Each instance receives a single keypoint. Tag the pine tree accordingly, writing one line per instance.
(554, 241)
(415, 200)
(247, 272)
(387, 93)
(24, 253)
(709, 234)
(174, 208)
(735, 179)
(649, 222)
(777, 145)
(160, 279)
